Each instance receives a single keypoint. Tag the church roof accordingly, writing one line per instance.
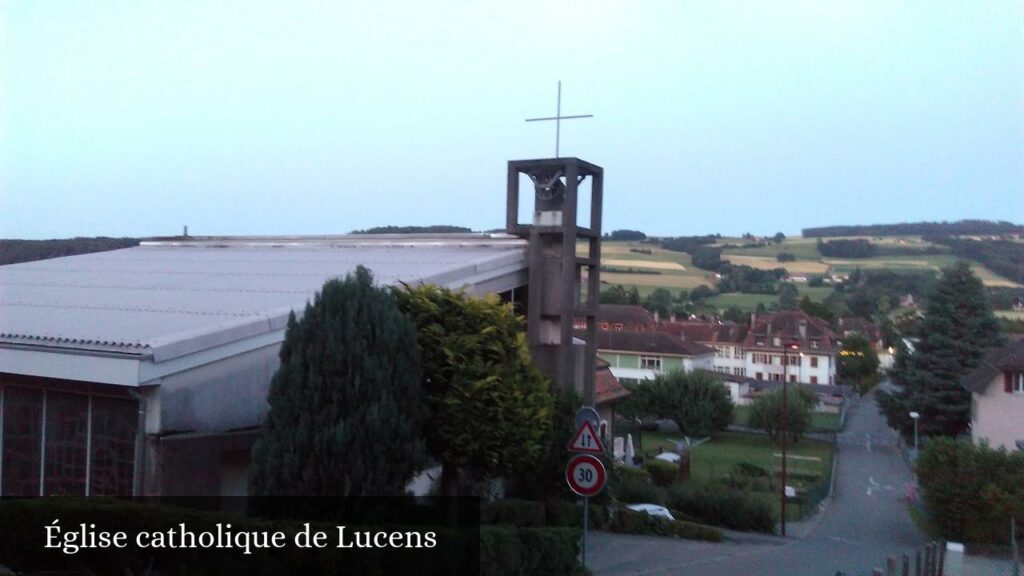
(171, 298)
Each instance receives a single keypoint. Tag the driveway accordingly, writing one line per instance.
(864, 522)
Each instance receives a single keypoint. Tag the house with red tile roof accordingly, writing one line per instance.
(791, 345)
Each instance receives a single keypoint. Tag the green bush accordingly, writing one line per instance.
(507, 551)
(500, 552)
(570, 514)
(971, 492)
(722, 506)
(662, 473)
(635, 485)
(553, 551)
(630, 522)
(520, 513)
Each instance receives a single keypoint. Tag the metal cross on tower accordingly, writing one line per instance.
(558, 118)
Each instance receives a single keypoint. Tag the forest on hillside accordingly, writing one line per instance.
(1004, 257)
(958, 228)
(15, 251)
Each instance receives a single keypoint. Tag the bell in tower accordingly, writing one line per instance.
(564, 287)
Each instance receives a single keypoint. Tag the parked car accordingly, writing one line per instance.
(652, 509)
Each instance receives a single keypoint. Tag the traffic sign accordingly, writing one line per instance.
(588, 414)
(585, 475)
(586, 440)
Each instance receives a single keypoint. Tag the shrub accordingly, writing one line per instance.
(542, 551)
(662, 473)
(570, 514)
(721, 506)
(971, 492)
(629, 522)
(551, 551)
(520, 513)
(635, 485)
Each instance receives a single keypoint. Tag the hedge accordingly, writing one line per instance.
(721, 506)
(508, 551)
(662, 473)
(533, 514)
(631, 522)
(635, 485)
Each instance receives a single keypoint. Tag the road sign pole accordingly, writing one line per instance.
(583, 546)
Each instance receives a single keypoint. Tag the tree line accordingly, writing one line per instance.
(958, 228)
(1004, 257)
(16, 251)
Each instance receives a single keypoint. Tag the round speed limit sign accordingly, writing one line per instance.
(585, 475)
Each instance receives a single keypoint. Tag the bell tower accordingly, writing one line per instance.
(564, 287)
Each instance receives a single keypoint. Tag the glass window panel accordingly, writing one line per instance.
(23, 413)
(67, 418)
(114, 423)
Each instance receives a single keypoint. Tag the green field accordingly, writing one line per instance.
(675, 270)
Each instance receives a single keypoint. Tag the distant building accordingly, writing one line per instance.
(997, 397)
(607, 393)
(725, 338)
(864, 328)
(622, 317)
(807, 345)
(643, 355)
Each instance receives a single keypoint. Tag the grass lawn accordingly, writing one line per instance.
(717, 457)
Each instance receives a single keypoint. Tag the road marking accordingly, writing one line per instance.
(868, 441)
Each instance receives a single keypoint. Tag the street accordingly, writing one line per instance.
(864, 522)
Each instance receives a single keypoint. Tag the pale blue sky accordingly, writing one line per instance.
(133, 118)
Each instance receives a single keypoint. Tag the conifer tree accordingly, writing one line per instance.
(346, 404)
(957, 328)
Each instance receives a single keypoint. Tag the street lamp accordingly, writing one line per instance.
(915, 417)
(785, 424)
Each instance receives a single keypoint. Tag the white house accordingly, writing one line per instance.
(997, 398)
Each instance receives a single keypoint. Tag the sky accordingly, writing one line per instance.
(126, 118)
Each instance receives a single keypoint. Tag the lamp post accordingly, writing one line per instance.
(915, 417)
(785, 424)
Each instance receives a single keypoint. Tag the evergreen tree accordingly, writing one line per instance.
(957, 328)
(346, 405)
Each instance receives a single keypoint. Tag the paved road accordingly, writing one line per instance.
(863, 523)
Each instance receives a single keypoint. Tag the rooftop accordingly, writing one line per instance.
(172, 297)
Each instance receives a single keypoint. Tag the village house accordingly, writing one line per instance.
(997, 397)
(865, 328)
(791, 344)
(639, 356)
(622, 317)
(725, 338)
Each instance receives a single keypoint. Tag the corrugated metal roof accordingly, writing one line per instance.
(159, 295)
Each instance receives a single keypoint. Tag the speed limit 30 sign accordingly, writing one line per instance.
(585, 475)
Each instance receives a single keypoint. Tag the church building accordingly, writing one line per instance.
(145, 371)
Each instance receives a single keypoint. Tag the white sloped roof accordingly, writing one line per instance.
(167, 299)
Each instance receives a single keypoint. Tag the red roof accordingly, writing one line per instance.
(791, 327)
(606, 386)
(705, 331)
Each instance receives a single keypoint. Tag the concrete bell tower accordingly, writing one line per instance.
(557, 295)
